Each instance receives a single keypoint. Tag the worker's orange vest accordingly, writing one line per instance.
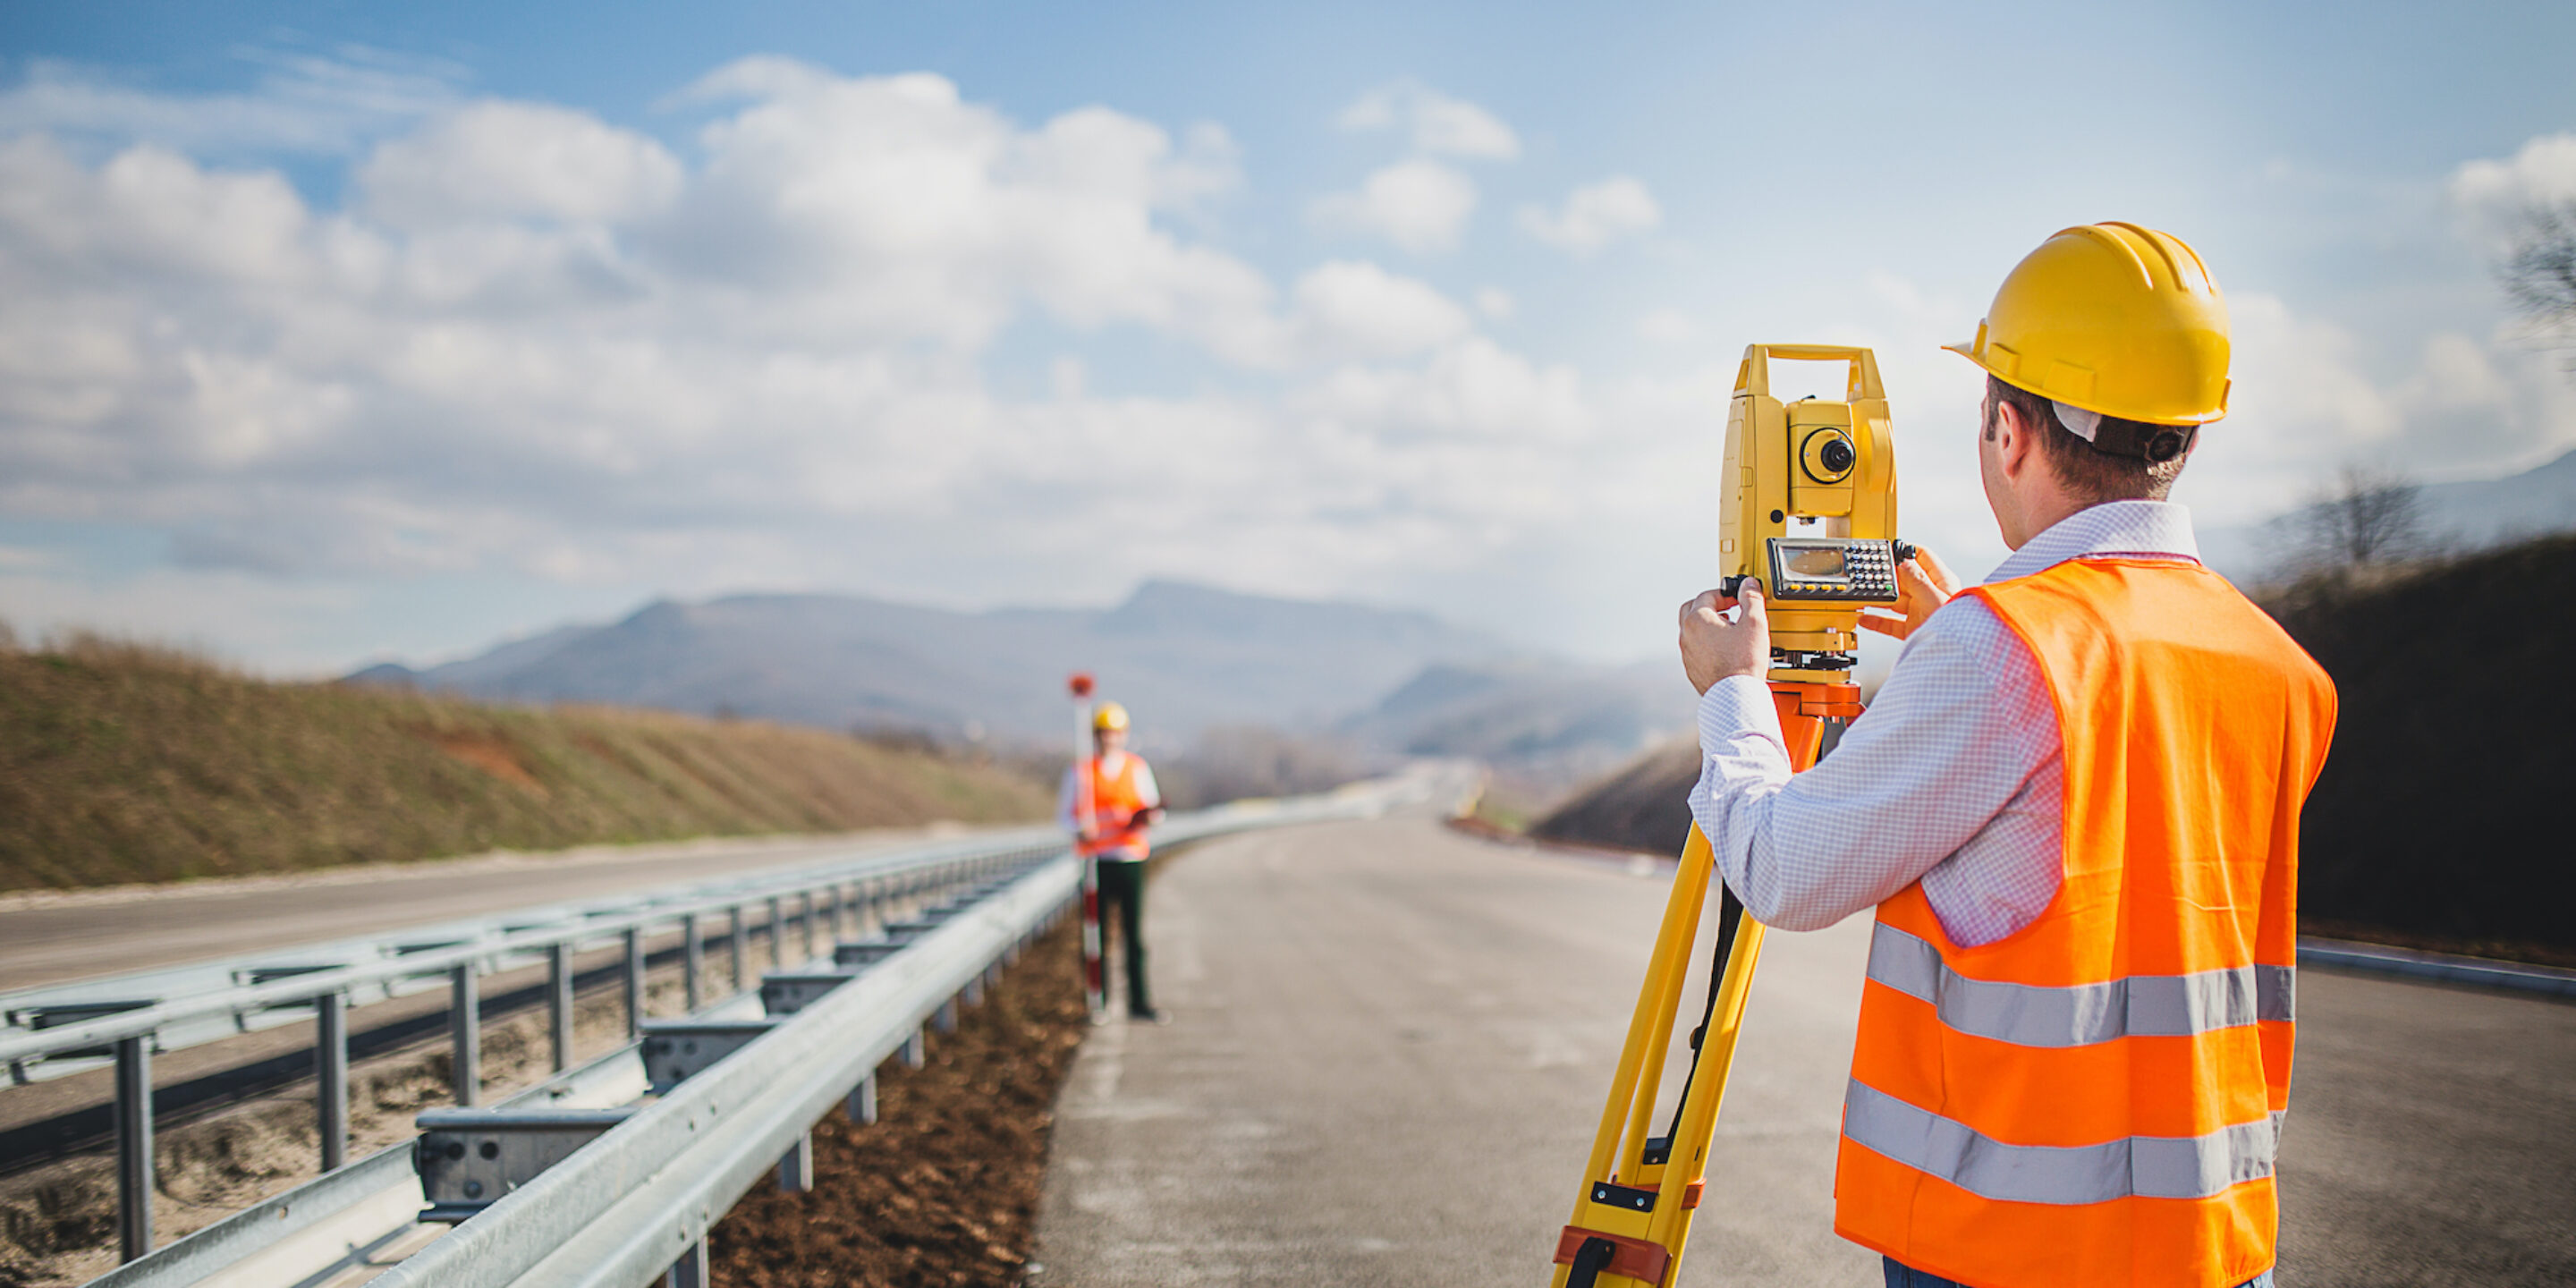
(2096, 1098)
(1115, 801)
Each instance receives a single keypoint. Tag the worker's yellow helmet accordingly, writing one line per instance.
(2111, 318)
(1109, 716)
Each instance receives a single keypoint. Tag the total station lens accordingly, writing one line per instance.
(1836, 455)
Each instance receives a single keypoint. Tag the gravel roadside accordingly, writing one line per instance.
(943, 1190)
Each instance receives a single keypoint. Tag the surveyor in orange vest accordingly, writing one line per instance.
(2075, 805)
(1124, 802)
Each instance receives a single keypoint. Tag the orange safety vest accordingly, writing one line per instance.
(1116, 799)
(2096, 1098)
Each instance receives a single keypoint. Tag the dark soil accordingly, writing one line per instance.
(944, 1189)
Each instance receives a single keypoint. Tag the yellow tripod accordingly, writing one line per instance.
(1640, 1191)
(1807, 503)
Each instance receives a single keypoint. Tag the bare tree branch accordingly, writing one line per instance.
(2539, 273)
(2366, 516)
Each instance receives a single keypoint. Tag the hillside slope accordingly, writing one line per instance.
(2438, 813)
(121, 764)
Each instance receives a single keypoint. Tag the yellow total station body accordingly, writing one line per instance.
(1809, 505)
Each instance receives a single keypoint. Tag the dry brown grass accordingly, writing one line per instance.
(123, 762)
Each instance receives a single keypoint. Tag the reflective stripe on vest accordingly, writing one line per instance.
(2080, 1014)
(2151, 1167)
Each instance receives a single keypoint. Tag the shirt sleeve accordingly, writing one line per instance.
(1950, 745)
(1145, 785)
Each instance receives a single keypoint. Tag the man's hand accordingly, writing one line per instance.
(1923, 583)
(1714, 648)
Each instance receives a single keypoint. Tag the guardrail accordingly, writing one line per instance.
(636, 1200)
(129, 1032)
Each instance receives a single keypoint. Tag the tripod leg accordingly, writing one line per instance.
(1655, 1000)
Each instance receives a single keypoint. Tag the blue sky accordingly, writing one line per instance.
(346, 331)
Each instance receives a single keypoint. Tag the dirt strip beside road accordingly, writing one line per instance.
(943, 1190)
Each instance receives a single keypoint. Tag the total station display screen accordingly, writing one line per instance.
(1816, 562)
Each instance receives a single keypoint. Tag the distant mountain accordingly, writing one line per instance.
(2464, 515)
(1185, 657)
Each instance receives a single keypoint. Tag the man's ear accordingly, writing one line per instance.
(2014, 443)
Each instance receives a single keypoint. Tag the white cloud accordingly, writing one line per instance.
(1355, 309)
(539, 346)
(1434, 122)
(1667, 326)
(1419, 205)
(500, 160)
(1495, 303)
(1595, 215)
(2310, 398)
(2491, 195)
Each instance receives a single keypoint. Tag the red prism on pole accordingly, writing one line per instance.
(1085, 823)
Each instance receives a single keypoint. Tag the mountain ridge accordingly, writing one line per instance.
(1189, 658)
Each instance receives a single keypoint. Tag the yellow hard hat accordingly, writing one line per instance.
(1110, 716)
(2112, 318)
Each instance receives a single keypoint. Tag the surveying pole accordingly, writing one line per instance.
(1809, 505)
(1085, 821)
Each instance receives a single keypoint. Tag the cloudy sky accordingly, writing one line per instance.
(334, 332)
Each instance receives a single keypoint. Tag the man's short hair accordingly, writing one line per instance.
(2090, 471)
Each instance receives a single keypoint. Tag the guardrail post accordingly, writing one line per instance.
(916, 1050)
(832, 911)
(559, 1001)
(693, 967)
(134, 1146)
(734, 942)
(975, 990)
(634, 981)
(805, 924)
(464, 1036)
(863, 1102)
(777, 934)
(796, 1166)
(691, 1270)
(947, 1016)
(331, 1078)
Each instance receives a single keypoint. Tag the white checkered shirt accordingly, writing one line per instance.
(1954, 777)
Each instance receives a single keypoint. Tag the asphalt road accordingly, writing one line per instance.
(46, 938)
(1390, 1045)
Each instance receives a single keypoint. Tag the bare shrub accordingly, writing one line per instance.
(2539, 272)
(2366, 517)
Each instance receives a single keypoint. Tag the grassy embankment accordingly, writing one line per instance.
(2437, 822)
(121, 763)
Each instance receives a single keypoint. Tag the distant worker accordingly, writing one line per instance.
(2075, 805)
(1124, 803)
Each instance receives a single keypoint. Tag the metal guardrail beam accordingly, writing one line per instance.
(28, 1046)
(628, 1206)
(131, 1032)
